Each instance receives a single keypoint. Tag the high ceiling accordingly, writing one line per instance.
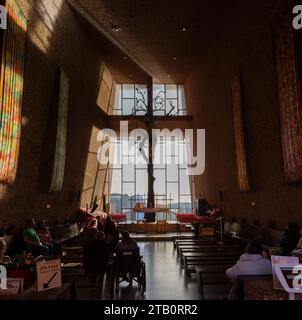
(166, 37)
(122, 68)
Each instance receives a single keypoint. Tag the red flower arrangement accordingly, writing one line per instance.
(23, 266)
(23, 262)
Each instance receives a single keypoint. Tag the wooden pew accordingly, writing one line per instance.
(258, 287)
(72, 254)
(197, 242)
(208, 248)
(211, 275)
(188, 241)
(231, 241)
(74, 273)
(190, 263)
(198, 254)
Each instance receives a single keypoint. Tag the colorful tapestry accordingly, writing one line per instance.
(61, 140)
(289, 96)
(11, 89)
(243, 180)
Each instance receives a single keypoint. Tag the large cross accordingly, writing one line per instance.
(149, 120)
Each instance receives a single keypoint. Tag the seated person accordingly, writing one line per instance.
(90, 231)
(111, 233)
(32, 240)
(95, 257)
(4, 257)
(3, 249)
(100, 225)
(17, 245)
(127, 244)
(290, 239)
(254, 262)
(203, 207)
(297, 252)
(46, 239)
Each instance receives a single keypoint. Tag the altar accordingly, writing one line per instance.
(150, 213)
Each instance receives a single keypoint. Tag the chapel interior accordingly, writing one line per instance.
(99, 99)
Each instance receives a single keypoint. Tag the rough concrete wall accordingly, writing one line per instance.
(55, 38)
(246, 46)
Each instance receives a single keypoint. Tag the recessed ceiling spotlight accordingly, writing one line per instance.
(169, 76)
(125, 58)
(115, 28)
(183, 29)
(174, 58)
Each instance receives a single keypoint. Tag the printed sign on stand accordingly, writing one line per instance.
(49, 275)
(14, 286)
(281, 260)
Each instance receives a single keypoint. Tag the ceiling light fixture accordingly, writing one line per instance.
(174, 58)
(115, 28)
(183, 29)
(169, 76)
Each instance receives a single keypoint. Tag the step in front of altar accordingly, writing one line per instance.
(145, 228)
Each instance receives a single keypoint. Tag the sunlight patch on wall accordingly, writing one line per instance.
(48, 12)
(95, 173)
(106, 94)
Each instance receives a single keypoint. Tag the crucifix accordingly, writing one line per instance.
(149, 120)
(150, 126)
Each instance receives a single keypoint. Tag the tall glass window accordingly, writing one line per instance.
(126, 182)
(172, 186)
(132, 99)
(168, 99)
(127, 178)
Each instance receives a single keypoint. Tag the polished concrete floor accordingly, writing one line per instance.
(165, 278)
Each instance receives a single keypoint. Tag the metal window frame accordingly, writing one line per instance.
(177, 181)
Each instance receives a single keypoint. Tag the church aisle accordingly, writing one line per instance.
(165, 279)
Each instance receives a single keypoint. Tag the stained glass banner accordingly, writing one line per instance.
(61, 140)
(11, 90)
(243, 180)
(289, 96)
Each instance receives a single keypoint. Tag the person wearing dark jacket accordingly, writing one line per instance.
(111, 233)
(127, 244)
(95, 258)
(290, 239)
